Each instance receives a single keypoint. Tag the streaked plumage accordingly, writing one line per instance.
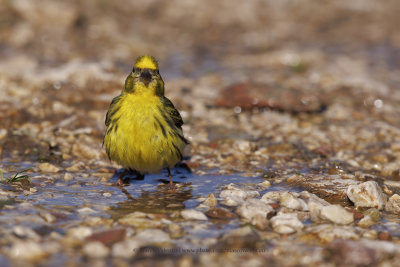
(144, 130)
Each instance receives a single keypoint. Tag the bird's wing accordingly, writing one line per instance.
(112, 110)
(172, 112)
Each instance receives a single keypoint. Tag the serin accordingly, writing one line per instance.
(143, 128)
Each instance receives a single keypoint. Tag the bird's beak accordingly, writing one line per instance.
(145, 76)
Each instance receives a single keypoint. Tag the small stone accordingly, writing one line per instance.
(68, 176)
(95, 249)
(315, 204)
(108, 237)
(238, 193)
(83, 151)
(192, 214)
(233, 201)
(86, 210)
(272, 197)
(47, 217)
(3, 133)
(107, 194)
(138, 220)
(175, 230)
(393, 204)
(265, 184)
(221, 213)
(370, 234)
(255, 211)
(329, 232)
(286, 223)
(32, 190)
(366, 222)
(374, 214)
(288, 200)
(234, 196)
(25, 233)
(384, 236)
(367, 194)
(336, 214)
(80, 232)
(357, 215)
(47, 167)
(240, 232)
(153, 236)
(210, 201)
(27, 250)
(76, 167)
(126, 249)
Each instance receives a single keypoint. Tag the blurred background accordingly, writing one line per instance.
(63, 61)
(195, 37)
(299, 94)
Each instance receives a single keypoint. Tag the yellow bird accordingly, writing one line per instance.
(143, 128)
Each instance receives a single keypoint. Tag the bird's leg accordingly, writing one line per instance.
(171, 185)
(120, 181)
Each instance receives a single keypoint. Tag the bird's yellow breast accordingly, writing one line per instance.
(141, 138)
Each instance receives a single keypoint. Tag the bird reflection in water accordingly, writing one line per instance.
(157, 199)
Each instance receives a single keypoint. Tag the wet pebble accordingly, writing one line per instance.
(234, 196)
(47, 217)
(84, 151)
(210, 201)
(126, 249)
(272, 197)
(289, 200)
(95, 249)
(336, 214)
(25, 233)
(329, 232)
(108, 237)
(107, 194)
(393, 204)
(192, 214)
(86, 210)
(233, 191)
(265, 184)
(27, 250)
(80, 232)
(255, 211)
(367, 194)
(365, 222)
(286, 223)
(220, 213)
(153, 236)
(373, 213)
(139, 220)
(48, 167)
(315, 205)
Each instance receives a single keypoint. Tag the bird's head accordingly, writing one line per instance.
(145, 77)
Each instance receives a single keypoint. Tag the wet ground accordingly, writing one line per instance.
(292, 110)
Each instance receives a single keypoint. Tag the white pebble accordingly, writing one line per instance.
(286, 223)
(192, 214)
(336, 214)
(47, 167)
(126, 249)
(288, 200)
(367, 194)
(393, 205)
(153, 236)
(95, 249)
